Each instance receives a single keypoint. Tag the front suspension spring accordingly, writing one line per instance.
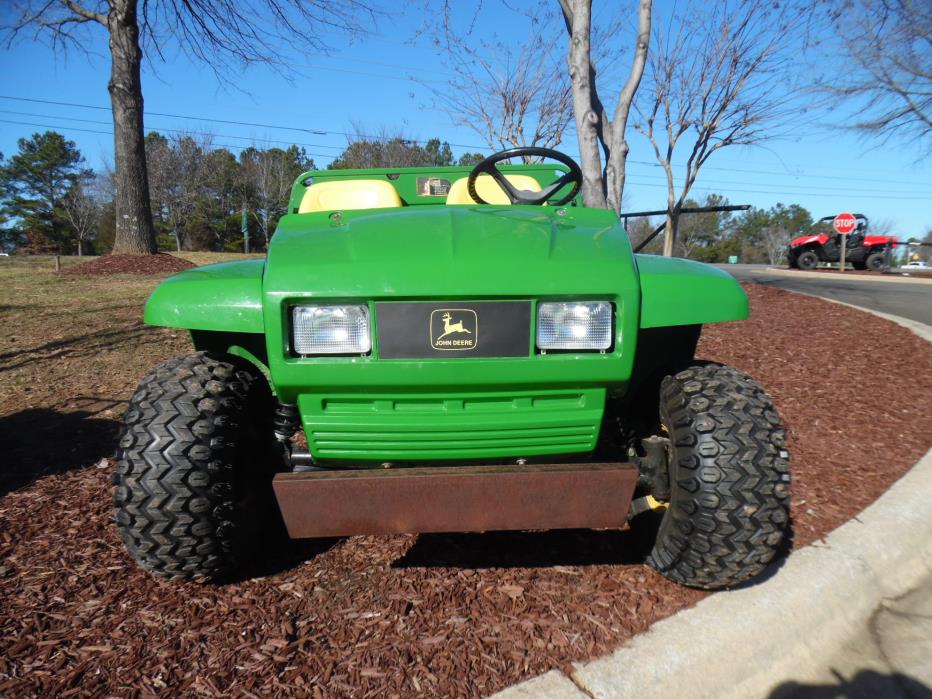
(286, 421)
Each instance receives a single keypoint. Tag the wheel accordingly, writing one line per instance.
(807, 260)
(875, 261)
(728, 510)
(193, 466)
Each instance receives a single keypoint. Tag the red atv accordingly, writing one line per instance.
(863, 251)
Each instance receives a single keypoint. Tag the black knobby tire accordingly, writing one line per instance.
(807, 260)
(193, 466)
(875, 261)
(729, 503)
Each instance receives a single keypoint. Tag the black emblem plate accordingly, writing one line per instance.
(453, 329)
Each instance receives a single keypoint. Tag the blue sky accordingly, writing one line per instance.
(368, 83)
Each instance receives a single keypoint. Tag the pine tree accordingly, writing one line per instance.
(34, 183)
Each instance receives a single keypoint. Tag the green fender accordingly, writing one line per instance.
(225, 297)
(675, 291)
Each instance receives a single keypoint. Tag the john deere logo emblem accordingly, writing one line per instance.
(454, 329)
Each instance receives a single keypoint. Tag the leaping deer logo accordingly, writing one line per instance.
(459, 329)
(449, 327)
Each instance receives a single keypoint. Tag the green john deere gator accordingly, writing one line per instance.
(464, 350)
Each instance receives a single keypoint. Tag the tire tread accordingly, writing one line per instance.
(176, 463)
(729, 510)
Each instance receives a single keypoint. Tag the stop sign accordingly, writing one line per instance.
(844, 223)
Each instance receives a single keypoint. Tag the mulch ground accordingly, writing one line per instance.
(437, 615)
(130, 264)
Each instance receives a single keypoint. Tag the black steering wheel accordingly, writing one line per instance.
(522, 196)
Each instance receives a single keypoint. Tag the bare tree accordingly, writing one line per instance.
(390, 149)
(925, 253)
(886, 49)
(714, 79)
(701, 230)
(510, 94)
(774, 240)
(176, 168)
(268, 176)
(82, 211)
(598, 133)
(215, 32)
(639, 230)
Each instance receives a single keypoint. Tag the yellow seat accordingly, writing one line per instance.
(489, 189)
(337, 195)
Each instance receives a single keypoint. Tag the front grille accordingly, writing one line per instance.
(453, 329)
(428, 428)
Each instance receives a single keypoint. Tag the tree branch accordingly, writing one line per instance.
(83, 12)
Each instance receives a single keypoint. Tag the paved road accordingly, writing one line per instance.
(906, 299)
(890, 657)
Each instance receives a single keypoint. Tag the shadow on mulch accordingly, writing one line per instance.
(539, 549)
(280, 555)
(560, 547)
(41, 441)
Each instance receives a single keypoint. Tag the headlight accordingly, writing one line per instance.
(331, 329)
(581, 325)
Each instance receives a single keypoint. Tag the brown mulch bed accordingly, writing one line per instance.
(131, 264)
(437, 615)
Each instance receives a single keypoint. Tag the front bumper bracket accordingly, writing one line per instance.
(341, 502)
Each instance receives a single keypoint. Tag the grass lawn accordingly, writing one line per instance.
(72, 350)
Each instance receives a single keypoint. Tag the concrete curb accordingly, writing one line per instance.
(847, 277)
(774, 629)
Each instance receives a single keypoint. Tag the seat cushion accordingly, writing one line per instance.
(337, 195)
(489, 190)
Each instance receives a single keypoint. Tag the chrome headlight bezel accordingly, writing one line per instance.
(330, 329)
(575, 326)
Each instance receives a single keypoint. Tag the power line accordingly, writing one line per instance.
(369, 75)
(788, 174)
(393, 65)
(776, 192)
(722, 184)
(110, 133)
(170, 130)
(807, 189)
(712, 188)
(456, 145)
(282, 127)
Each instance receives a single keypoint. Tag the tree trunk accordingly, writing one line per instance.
(135, 233)
(587, 120)
(80, 249)
(669, 234)
(616, 161)
(601, 188)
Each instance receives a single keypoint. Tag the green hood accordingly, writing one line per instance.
(462, 250)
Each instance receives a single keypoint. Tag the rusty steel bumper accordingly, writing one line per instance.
(455, 499)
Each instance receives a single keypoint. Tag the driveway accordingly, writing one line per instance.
(907, 299)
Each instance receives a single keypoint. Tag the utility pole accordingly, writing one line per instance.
(244, 226)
